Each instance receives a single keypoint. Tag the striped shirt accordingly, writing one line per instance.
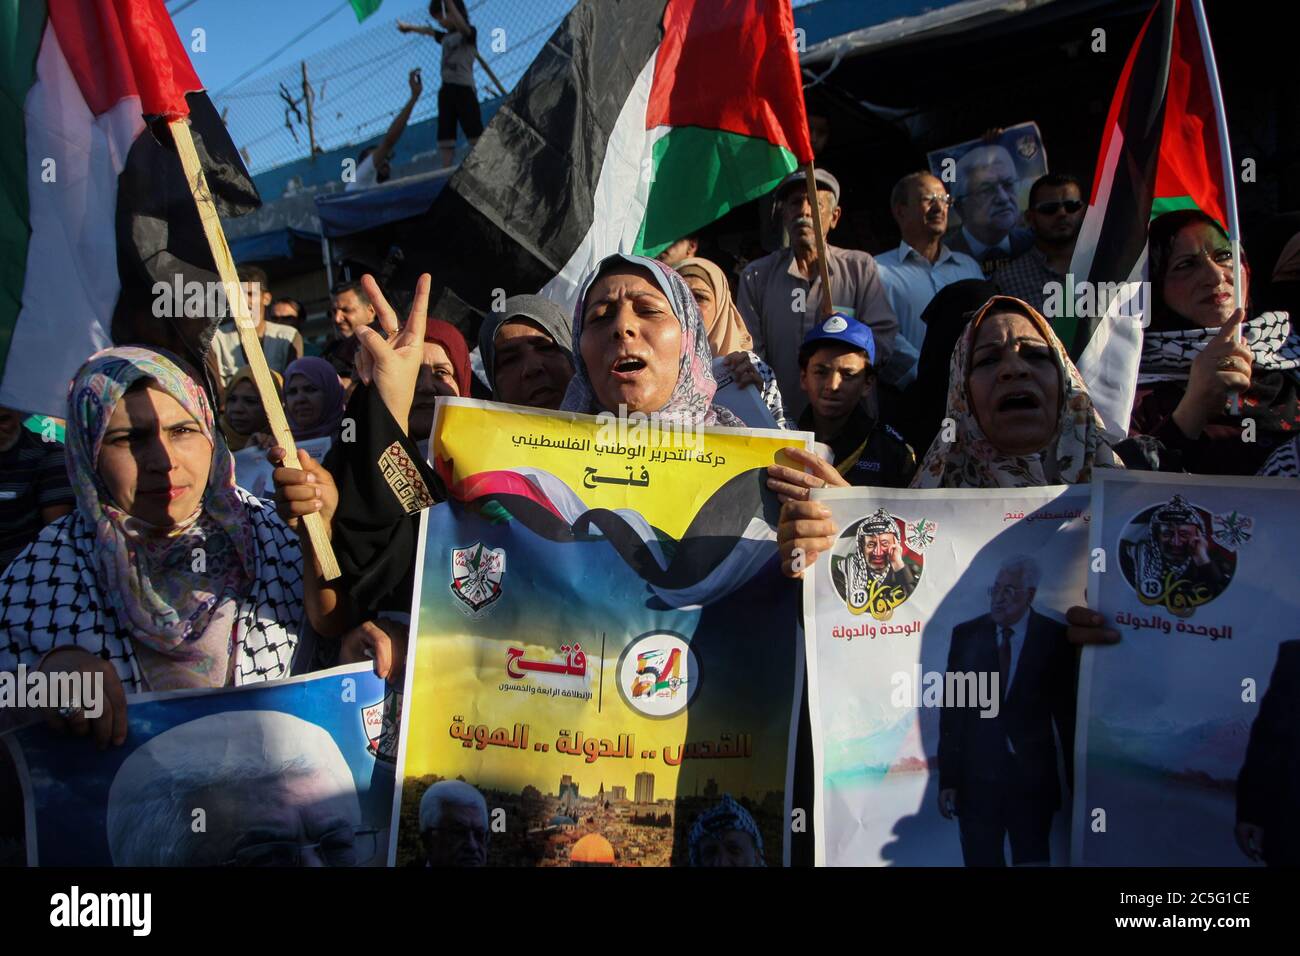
(32, 476)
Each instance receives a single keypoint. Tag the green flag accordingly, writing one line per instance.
(363, 8)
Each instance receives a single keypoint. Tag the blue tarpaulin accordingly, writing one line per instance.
(267, 246)
(342, 214)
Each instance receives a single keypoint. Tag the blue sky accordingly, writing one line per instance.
(358, 70)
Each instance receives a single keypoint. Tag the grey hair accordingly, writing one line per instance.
(152, 799)
(1025, 568)
(986, 154)
(444, 792)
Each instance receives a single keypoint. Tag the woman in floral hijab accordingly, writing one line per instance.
(1018, 414)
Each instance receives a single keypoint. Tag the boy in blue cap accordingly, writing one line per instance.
(836, 372)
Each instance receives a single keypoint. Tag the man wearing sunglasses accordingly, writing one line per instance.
(987, 184)
(1055, 215)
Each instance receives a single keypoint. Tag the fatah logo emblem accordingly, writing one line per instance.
(381, 720)
(476, 574)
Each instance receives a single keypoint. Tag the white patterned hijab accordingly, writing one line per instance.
(691, 402)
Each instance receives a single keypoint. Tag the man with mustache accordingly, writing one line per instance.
(922, 264)
(1055, 215)
(780, 294)
(986, 199)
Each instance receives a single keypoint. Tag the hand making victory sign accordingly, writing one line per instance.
(392, 364)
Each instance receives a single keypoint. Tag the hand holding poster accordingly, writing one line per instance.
(1188, 739)
(989, 181)
(941, 685)
(297, 772)
(605, 663)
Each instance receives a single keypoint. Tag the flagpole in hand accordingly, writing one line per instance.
(1229, 175)
(822, 266)
(252, 345)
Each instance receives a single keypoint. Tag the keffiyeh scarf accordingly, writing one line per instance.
(1168, 356)
(174, 604)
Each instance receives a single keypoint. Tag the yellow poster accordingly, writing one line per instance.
(604, 646)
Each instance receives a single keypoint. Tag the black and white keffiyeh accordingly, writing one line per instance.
(1284, 462)
(1168, 356)
(50, 597)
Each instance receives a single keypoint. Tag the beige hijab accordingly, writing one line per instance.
(727, 332)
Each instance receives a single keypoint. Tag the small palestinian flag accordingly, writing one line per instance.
(1164, 147)
(94, 206)
(640, 122)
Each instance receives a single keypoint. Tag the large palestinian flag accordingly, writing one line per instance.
(639, 122)
(1163, 148)
(94, 207)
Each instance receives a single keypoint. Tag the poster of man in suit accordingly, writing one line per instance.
(998, 775)
(942, 732)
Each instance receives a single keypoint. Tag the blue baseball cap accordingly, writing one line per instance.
(838, 327)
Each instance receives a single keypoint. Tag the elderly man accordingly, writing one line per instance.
(986, 199)
(997, 771)
(780, 294)
(877, 565)
(1055, 216)
(922, 264)
(725, 835)
(281, 344)
(454, 825)
(274, 790)
(1173, 566)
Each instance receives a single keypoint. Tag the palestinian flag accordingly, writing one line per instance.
(1163, 148)
(94, 206)
(639, 122)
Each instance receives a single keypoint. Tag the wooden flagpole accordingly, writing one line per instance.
(822, 266)
(180, 130)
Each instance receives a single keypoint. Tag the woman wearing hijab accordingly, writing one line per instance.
(114, 587)
(313, 397)
(728, 336)
(443, 371)
(527, 352)
(244, 420)
(1022, 419)
(641, 346)
(726, 329)
(1191, 361)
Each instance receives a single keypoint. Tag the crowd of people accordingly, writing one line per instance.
(934, 368)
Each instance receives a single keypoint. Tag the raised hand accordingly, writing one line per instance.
(392, 365)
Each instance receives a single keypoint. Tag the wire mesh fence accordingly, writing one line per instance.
(356, 87)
